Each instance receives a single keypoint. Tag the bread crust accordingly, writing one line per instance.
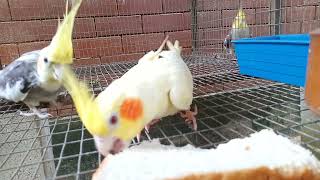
(261, 173)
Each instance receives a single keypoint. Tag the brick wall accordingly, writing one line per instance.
(215, 19)
(114, 30)
(105, 30)
(300, 16)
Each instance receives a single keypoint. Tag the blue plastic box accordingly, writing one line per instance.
(281, 58)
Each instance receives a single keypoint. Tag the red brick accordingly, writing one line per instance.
(98, 8)
(118, 25)
(26, 47)
(284, 11)
(309, 26)
(213, 36)
(263, 30)
(206, 5)
(4, 11)
(97, 47)
(229, 16)
(142, 42)
(122, 57)
(62, 110)
(292, 2)
(176, 5)
(311, 2)
(300, 13)
(255, 4)
(83, 28)
(8, 52)
(230, 4)
(166, 22)
(262, 16)
(86, 61)
(20, 31)
(211, 49)
(291, 28)
(24, 31)
(26, 9)
(209, 19)
(184, 37)
(129, 7)
(186, 51)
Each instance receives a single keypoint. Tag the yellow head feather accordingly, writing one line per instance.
(61, 50)
(87, 108)
(240, 20)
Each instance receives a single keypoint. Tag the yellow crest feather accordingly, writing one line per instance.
(61, 44)
(240, 20)
(86, 107)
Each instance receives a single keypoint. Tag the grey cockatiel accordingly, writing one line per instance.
(240, 29)
(34, 77)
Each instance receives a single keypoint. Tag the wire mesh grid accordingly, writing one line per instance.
(60, 147)
(231, 105)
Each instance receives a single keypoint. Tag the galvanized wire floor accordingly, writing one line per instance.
(230, 106)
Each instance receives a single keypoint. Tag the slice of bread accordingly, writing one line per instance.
(263, 155)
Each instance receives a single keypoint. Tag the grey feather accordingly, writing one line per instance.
(19, 77)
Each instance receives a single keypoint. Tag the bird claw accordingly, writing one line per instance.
(39, 114)
(21, 113)
(138, 137)
(44, 115)
(190, 117)
(146, 128)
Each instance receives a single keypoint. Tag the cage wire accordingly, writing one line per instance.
(110, 36)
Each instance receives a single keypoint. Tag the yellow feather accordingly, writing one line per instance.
(240, 20)
(61, 44)
(87, 108)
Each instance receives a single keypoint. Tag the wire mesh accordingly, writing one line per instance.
(110, 35)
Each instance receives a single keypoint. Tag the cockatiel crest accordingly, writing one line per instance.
(240, 20)
(86, 107)
(62, 40)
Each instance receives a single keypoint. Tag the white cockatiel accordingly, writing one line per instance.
(159, 85)
(33, 77)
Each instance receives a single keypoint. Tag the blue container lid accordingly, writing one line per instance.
(302, 39)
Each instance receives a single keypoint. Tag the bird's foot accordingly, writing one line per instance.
(35, 112)
(150, 124)
(43, 115)
(147, 127)
(21, 113)
(190, 118)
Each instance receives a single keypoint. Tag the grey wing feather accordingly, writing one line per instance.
(19, 77)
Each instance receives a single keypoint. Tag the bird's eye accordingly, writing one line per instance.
(113, 120)
(45, 60)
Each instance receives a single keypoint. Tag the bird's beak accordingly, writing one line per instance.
(60, 48)
(57, 72)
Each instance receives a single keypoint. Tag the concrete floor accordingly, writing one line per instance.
(22, 144)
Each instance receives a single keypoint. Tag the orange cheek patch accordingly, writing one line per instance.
(131, 109)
